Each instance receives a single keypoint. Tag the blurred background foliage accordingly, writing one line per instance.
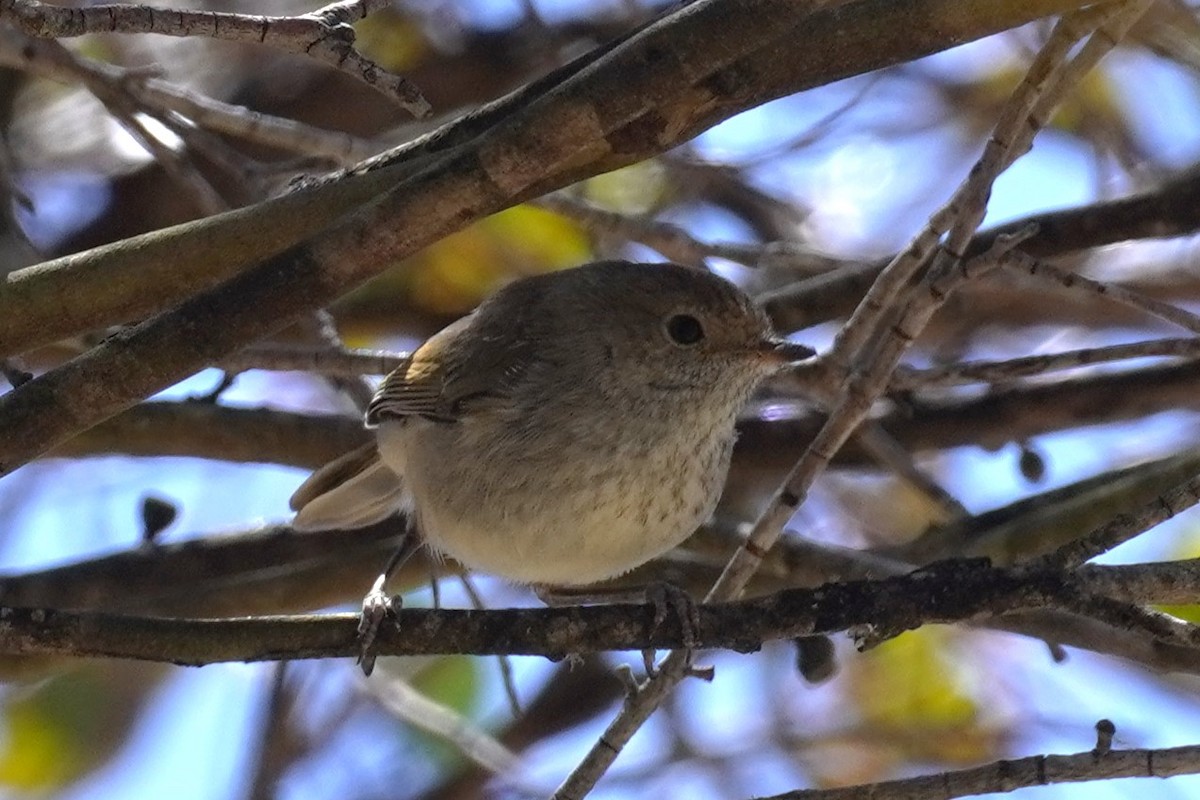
(849, 171)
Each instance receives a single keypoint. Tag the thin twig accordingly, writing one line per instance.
(424, 713)
(1012, 133)
(1114, 292)
(1125, 526)
(881, 446)
(271, 747)
(504, 662)
(52, 59)
(677, 244)
(161, 99)
(339, 147)
(1012, 774)
(355, 386)
(326, 361)
(325, 34)
(1009, 369)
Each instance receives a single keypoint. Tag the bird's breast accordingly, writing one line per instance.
(567, 512)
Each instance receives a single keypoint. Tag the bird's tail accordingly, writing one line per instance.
(353, 491)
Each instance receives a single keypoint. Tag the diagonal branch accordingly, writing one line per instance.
(1126, 526)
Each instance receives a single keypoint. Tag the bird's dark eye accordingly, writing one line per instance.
(684, 329)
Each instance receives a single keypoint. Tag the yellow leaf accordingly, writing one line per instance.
(631, 190)
(51, 731)
(909, 682)
(542, 239)
(391, 39)
(452, 276)
(451, 681)
(914, 701)
(1094, 100)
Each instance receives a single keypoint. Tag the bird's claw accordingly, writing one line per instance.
(671, 601)
(376, 607)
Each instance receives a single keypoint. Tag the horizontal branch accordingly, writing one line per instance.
(949, 591)
(271, 570)
(275, 571)
(1010, 369)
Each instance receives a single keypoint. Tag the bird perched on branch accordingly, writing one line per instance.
(575, 426)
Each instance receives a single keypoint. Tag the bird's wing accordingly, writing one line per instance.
(445, 381)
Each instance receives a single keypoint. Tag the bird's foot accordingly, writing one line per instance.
(376, 607)
(672, 602)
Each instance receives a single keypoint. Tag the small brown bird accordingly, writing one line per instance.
(575, 426)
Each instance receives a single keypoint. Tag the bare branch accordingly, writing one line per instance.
(53, 60)
(325, 34)
(159, 97)
(325, 361)
(205, 430)
(949, 591)
(1119, 294)
(1012, 774)
(406, 703)
(1011, 137)
(1012, 368)
(1172, 209)
(1126, 526)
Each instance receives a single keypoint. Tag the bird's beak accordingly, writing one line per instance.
(784, 352)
